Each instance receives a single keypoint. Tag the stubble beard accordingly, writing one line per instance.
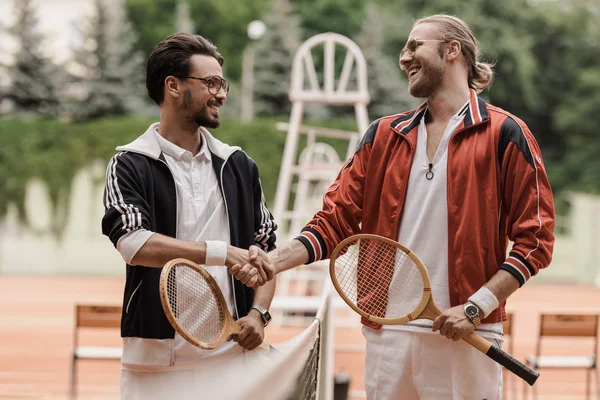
(201, 117)
(430, 80)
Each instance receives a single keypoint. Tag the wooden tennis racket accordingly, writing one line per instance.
(195, 306)
(387, 283)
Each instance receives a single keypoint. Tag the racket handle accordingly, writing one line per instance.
(503, 358)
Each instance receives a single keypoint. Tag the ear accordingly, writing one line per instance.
(172, 86)
(453, 50)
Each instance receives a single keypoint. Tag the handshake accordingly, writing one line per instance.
(252, 267)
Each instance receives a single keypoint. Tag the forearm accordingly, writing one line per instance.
(263, 297)
(264, 294)
(494, 292)
(502, 285)
(288, 256)
(160, 249)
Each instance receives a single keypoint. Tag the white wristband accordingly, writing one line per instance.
(485, 300)
(216, 252)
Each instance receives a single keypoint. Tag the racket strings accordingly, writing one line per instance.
(380, 279)
(194, 304)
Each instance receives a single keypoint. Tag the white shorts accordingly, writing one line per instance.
(427, 366)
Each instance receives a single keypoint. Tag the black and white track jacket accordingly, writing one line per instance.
(140, 193)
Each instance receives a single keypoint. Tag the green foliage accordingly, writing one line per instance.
(54, 151)
(112, 72)
(223, 22)
(387, 83)
(273, 60)
(34, 79)
(339, 16)
(153, 20)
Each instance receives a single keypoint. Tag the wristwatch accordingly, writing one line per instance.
(266, 317)
(472, 312)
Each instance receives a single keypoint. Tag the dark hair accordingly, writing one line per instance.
(172, 57)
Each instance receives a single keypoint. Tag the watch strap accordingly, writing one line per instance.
(263, 314)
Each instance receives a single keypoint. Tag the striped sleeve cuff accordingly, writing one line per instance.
(518, 267)
(314, 243)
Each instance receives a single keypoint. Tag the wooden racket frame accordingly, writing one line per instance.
(230, 327)
(427, 309)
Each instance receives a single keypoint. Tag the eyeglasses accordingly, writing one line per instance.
(414, 43)
(214, 83)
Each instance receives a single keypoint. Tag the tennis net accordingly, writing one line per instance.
(301, 369)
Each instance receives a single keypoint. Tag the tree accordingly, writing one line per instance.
(223, 22)
(274, 54)
(575, 93)
(34, 81)
(340, 16)
(183, 22)
(387, 87)
(111, 71)
(153, 20)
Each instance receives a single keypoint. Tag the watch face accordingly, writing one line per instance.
(471, 311)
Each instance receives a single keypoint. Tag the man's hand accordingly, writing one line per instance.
(258, 263)
(238, 264)
(253, 331)
(454, 324)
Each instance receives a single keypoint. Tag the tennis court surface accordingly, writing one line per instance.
(37, 326)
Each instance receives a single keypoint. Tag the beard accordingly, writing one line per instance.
(430, 79)
(199, 117)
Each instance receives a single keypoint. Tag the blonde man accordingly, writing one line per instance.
(454, 180)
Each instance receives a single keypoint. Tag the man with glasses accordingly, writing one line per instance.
(453, 180)
(177, 191)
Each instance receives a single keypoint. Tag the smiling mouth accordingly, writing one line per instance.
(413, 72)
(215, 107)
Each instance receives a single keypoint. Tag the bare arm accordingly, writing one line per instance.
(263, 297)
(288, 256)
(454, 324)
(160, 249)
(502, 284)
(252, 333)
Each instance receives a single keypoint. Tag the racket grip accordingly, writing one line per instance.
(503, 358)
(513, 365)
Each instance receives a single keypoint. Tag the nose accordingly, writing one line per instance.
(221, 94)
(404, 60)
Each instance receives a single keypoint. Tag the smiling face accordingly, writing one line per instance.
(197, 105)
(423, 60)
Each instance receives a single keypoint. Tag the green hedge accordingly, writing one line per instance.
(54, 151)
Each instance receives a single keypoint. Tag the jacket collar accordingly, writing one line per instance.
(147, 144)
(476, 113)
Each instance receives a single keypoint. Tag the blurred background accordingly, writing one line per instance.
(72, 76)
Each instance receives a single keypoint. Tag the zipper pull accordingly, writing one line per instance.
(429, 174)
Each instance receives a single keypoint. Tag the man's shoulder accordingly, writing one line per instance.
(130, 160)
(503, 116)
(384, 125)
